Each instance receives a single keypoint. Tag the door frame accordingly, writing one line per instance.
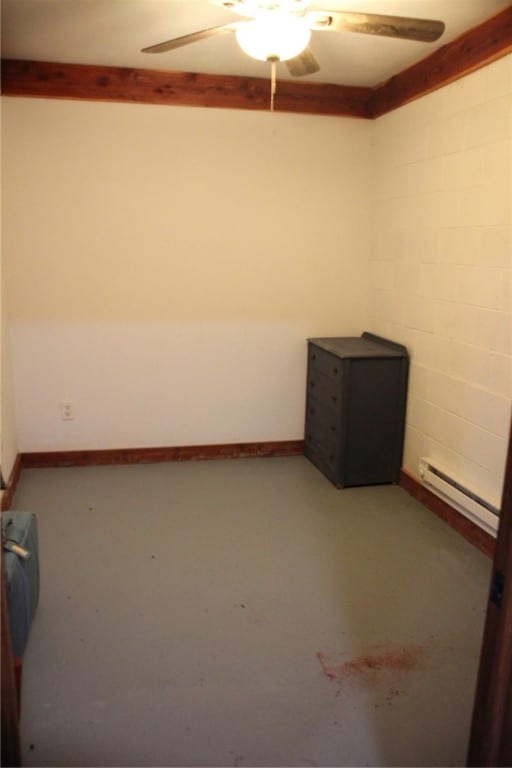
(491, 730)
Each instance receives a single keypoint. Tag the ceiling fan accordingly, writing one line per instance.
(280, 30)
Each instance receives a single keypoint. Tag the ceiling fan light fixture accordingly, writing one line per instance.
(274, 37)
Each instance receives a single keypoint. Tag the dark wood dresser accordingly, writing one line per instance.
(355, 408)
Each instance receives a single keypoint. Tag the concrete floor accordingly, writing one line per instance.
(246, 613)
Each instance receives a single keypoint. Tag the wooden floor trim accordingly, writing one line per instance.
(48, 459)
(167, 453)
(469, 530)
(8, 494)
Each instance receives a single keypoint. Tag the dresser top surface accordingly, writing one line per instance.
(366, 345)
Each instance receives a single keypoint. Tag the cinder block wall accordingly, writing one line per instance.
(441, 268)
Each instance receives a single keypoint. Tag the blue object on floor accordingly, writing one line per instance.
(21, 558)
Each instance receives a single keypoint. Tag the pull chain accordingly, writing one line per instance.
(272, 83)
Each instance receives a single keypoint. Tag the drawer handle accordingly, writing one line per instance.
(313, 357)
(335, 370)
(311, 410)
(333, 398)
(311, 383)
(333, 429)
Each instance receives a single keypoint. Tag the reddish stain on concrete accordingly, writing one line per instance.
(398, 660)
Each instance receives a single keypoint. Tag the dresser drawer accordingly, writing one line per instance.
(322, 427)
(322, 419)
(324, 362)
(325, 456)
(326, 390)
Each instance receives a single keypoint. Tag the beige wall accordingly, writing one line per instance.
(441, 269)
(9, 444)
(165, 266)
(8, 441)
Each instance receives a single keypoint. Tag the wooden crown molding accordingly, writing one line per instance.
(476, 48)
(147, 86)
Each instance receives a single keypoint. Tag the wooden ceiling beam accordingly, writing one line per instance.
(146, 86)
(476, 48)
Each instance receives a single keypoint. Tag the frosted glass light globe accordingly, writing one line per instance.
(274, 37)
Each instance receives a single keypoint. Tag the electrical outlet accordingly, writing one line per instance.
(66, 411)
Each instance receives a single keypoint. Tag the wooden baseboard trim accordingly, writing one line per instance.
(47, 459)
(471, 532)
(42, 459)
(12, 482)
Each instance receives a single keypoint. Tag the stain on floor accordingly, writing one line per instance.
(369, 665)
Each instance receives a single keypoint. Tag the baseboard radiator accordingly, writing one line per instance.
(466, 501)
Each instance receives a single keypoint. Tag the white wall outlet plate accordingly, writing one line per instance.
(66, 411)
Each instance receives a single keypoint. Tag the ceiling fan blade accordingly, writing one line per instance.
(194, 37)
(303, 64)
(422, 30)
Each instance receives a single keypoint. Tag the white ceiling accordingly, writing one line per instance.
(112, 32)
